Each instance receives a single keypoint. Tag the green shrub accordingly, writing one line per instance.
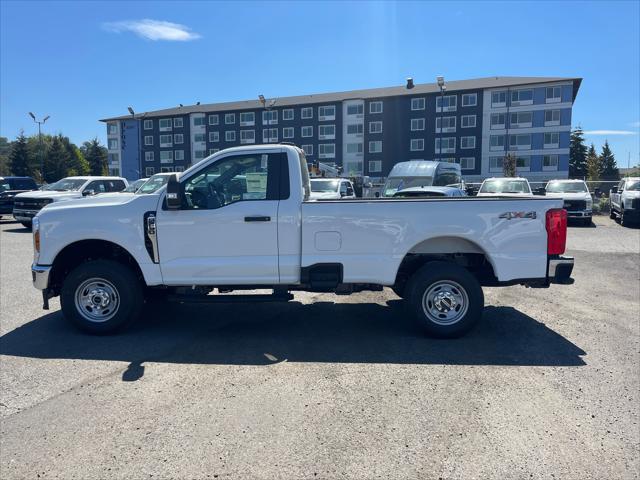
(603, 204)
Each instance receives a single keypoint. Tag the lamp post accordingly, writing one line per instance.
(40, 122)
(443, 88)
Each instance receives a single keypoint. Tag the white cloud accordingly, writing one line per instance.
(153, 30)
(609, 132)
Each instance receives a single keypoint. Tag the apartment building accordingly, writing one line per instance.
(471, 122)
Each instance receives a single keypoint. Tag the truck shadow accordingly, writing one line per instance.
(264, 334)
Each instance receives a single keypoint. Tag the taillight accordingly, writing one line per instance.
(556, 231)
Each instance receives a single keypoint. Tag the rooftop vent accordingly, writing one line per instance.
(409, 83)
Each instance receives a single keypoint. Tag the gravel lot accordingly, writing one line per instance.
(548, 386)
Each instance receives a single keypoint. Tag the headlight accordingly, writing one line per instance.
(589, 203)
(35, 228)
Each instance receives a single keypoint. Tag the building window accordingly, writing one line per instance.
(214, 119)
(307, 132)
(327, 112)
(113, 144)
(523, 163)
(287, 114)
(448, 124)
(149, 171)
(308, 149)
(355, 129)
(247, 136)
(551, 118)
(520, 142)
(450, 103)
(417, 103)
(550, 162)
(326, 132)
(467, 142)
(166, 140)
(177, 122)
(551, 140)
(165, 124)
(148, 124)
(287, 132)
(496, 142)
(166, 156)
(521, 97)
(229, 118)
(306, 112)
(230, 136)
(179, 169)
(327, 150)
(375, 146)
(468, 121)
(148, 140)
(375, 107)
(112, 128)
(198, 121)
(553, 95)
(270, 117)
(178, 154)
(355, 148)
(469, 99)
(416, 145)
(199, 137)
(448, 145)
(499, 99)
(521, 119)
(270, 135)
(199, 154)
(375, 127)
(214, 137)
(166, 169)
(498, 121)
(467, 163)
(417, 124)
(357, 109)
(148, 156)
(247, 119)
(375, 166)
(178, 138)
(496, 164)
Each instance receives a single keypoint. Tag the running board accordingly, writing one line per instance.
(281, 297)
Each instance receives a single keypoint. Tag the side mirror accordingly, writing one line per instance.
(88, 193)
(174, 199)
(614, 190)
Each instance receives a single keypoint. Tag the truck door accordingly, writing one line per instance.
(226, 231)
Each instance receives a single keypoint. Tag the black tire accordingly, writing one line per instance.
(108, 279)
(623, 222)
(442, 278)
(612, 213)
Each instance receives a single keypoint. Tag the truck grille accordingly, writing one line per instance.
(31, 203)
(575, 205)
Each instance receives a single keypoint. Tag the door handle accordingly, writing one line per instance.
(257, 219)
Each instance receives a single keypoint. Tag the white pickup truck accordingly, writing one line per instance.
(105, 256)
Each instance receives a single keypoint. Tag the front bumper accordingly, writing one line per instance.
(40, 276)
(24, 215)
(579, 214)
(559, 270)
(632, 214)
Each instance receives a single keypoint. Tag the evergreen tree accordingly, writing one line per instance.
(5, 150)
(38, 151)
(56, 161)
(19, 157)
(77, 164)
(96, 156)
(577, 154)
(509, 165)
(609, 168)
(594, 166)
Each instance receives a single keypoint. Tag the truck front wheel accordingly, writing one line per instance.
(445, 299)
(101, 296)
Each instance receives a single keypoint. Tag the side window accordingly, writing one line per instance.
(234, 179)
(114, 185)
(343, 188)
(621, 186)
(97, 186)
(349, 189)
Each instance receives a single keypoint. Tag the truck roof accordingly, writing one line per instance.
(420, 168)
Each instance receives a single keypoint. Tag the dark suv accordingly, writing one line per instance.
(10, 187)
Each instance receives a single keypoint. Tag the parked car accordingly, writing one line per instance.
(505, 187)
(625, 200)
(103, 256)
(424, 192)
(331, 189)
(155, 182)
(10, 187)
(422, 173)
(135, 185)
(28, 204)
(575, 194)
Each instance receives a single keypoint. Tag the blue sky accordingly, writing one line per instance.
(82, 61)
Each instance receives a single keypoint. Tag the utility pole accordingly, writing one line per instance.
(41, 152)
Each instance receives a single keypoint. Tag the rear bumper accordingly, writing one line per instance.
(559, 270)
(22, 215)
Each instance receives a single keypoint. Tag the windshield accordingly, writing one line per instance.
(134, 186)
(633, 185)
(566, 187)
(324, 186)
(399, 183)
(4, 187)
(505, 186)
(153, 184)
(66, 185)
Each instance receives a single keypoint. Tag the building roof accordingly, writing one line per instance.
(423, 88)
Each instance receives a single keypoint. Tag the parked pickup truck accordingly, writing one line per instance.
(624, 201)
(105, 256)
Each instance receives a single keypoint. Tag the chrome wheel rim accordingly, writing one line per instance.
(97, 300)
(445, 302)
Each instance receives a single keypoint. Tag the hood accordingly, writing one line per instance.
(105, 200)
(50, 194)
(570, 196)
(631, 194)
(518, 195)
(324, 195)
(448, 191)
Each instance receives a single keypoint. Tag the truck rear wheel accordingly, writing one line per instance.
(445, 299)
(101, 297)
